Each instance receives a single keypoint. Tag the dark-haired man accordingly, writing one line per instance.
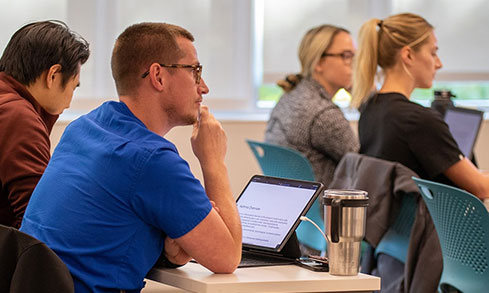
(125, 192)
(39, 70)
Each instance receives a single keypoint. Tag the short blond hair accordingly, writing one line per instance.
(314, 43)
(379, 44)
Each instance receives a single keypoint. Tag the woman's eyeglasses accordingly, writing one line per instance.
(347, 56)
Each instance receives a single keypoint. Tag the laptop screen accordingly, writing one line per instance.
(270, 209)
(464, 124)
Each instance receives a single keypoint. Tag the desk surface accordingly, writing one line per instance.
(290, 278)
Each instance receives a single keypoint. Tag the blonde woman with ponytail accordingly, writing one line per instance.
(391, 127)
(305, 118)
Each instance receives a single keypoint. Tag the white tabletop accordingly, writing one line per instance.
(290, 278)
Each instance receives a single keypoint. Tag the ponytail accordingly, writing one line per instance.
(379, 44)
(289, 82)
(365, 63)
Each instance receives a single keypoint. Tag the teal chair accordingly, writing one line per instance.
(279, 161)
(462, 225)
(395, 241)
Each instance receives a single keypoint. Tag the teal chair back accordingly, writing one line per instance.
(462, 225)
(279, 161)
(395, 241)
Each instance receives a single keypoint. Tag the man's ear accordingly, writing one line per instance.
(52, 74)
(407, 55)
(157, 76)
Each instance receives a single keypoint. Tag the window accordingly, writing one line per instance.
(17, 13)
(463, 44)
(286, 22)
(246, 46)
(222, 31)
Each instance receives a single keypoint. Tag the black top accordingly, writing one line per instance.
(393, 128)
(28, 265)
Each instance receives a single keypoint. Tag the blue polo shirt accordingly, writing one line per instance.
(111, 193)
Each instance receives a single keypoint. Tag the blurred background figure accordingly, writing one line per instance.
(305, 118)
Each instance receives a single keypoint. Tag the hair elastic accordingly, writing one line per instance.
(290, 81)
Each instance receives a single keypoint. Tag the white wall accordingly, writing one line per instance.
(241, 162)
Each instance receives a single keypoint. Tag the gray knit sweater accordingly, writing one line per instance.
(307, 120)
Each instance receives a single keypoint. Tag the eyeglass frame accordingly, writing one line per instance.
(196, 69)
(346, 56)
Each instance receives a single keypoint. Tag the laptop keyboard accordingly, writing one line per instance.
(249, 259)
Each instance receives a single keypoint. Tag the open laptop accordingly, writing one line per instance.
(464, 124)
(270, 209)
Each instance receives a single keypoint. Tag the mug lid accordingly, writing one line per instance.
(345, 193)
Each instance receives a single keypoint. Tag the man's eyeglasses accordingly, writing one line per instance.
(196, 68)
(347, 56)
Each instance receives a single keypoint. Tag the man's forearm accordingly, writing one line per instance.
(218, 189)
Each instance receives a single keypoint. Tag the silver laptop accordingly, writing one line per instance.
(270, 209)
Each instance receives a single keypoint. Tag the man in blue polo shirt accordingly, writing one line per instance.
(116, 193)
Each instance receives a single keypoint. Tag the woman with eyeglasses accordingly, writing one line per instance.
(305, 118)
(393, 128)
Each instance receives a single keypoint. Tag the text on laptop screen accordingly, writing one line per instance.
(268, 210)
